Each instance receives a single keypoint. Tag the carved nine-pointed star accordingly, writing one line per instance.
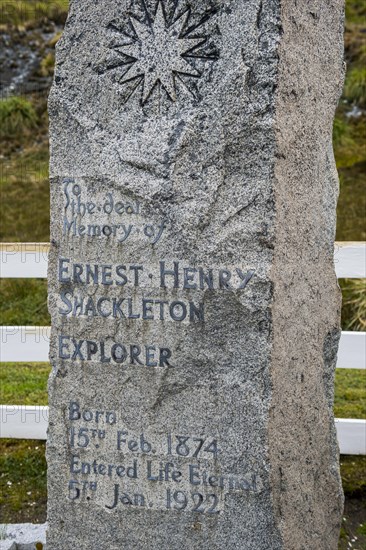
(158, 54)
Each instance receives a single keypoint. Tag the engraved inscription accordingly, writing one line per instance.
(143, 307)
(113, 218)
(108, 351)
(160, 471)
(167, 275)
(139, 302)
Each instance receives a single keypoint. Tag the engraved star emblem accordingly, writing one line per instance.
(159, 54)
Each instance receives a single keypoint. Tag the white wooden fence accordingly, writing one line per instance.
(30, 344)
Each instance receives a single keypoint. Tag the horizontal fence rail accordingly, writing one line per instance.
(24, 344)
(29, 260)
(23, 422)
(350, 260)
(351, 435)
(30, 422)
(24, 260)
(352, 350)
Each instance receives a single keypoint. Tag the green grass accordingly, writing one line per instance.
(350, 393)
(350, 153)
(22, 12)
(24, 194)
(23, 484)
(17, 115)
(355, 87)
(356, 11)
(24, 383)
(48, 64)
(354, 475)
(24, 302)
(349, 139)
(341, 133)
(354, 304)
(350, 132)
(352, 204)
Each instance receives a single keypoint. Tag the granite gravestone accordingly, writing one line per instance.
(194, 303)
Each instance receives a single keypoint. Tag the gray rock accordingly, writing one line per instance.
(194, 303)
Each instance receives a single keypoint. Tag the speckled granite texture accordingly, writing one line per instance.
(194, 303)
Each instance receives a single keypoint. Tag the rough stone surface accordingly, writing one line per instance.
(194, 303)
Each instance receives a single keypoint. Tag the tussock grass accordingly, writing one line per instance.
(354, 304)
(48, 65)
(355, 86)
(17, 116)
(349, 140)
(356, 11)
(20, 12)
(341, 133)
(23, 126)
